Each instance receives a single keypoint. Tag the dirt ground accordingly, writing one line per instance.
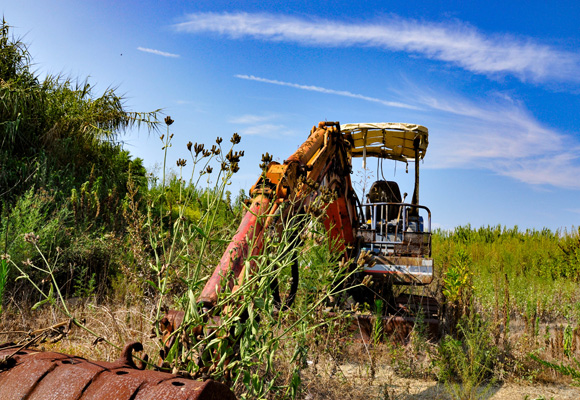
(352, 381)
(401, 388)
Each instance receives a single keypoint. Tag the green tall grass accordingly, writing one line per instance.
(523, 285)
(531, 268)
(63, 172)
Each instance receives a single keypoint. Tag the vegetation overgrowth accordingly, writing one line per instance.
(85, 230)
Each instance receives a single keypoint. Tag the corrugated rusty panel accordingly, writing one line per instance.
(17, 382)
(36, 375)
(67, 378)
(209, 390)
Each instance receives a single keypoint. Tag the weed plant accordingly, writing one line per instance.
(466, 362)
(246, 333)
(4, 269)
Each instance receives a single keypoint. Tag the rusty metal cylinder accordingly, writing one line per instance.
(37, 375)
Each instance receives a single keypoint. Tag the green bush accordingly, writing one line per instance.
(34, 212)
(466, 362)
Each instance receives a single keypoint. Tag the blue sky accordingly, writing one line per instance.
(498, 86)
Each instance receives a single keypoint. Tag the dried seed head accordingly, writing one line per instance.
(218, 140)
(234, 156)
(315, 210)
(266, 160)
(367, 280)
(31, 238)
(168, 120)
(181, 162)
(236, 138)
(209, 169)
(198, 148)
(189, 144)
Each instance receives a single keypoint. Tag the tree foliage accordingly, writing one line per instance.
(63, 170)
(56, 130)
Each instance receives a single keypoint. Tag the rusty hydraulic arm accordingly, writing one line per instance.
(323, 160)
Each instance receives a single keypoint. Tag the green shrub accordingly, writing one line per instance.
(524, 267)
(466, 362)
(34, 212)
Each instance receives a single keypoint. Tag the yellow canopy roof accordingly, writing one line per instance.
(387, 140)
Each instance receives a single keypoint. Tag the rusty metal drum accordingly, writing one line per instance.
(39, 375)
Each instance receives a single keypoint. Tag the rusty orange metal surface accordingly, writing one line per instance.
(250, 230)
(170, 322)
(313, 144)
(37, 375)
(339, 224)
(324, 148)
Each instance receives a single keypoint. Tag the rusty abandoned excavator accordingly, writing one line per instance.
(396, 234)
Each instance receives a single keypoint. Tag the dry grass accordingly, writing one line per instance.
(115, 323)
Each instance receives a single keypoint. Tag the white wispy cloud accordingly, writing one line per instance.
(560, 170)
(252, 119)
(453, 42)
(158, 52)
(501, 135)
(261, 125)
(496, 133)
(491, 129)
(319, 89)
(267, 130)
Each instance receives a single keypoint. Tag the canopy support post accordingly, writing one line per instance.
(415, 200)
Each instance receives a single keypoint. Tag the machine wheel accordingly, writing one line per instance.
(284, 289)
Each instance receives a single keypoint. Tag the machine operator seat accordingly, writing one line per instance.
(384, 192)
